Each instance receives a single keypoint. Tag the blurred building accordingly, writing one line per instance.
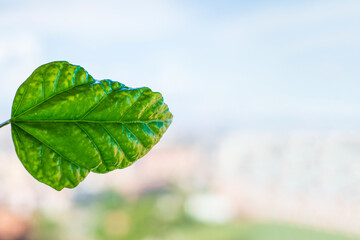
(306, 178)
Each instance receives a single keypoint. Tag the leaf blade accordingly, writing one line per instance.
(54, 172)
(99, 126)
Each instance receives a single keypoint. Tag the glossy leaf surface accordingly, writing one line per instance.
(65, 124)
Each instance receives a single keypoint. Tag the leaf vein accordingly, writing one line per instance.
(49, 146)
(132, 105)
(95, 105)
(58, 76)
(22, 98)
(38, 104)
(88, 121)
(74, 75)
(137, 138)
(116, 141)
(152, 131)
(92, 141)
(149, 107)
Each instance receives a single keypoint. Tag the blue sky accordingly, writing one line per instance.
(219, 64)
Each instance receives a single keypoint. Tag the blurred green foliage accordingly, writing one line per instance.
(155, 215)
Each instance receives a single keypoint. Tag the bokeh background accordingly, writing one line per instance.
(265, 142)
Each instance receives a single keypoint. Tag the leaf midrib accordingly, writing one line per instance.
(86, 121)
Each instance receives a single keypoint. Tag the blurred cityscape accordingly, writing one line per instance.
(240, 186)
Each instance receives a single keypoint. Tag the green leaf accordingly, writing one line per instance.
(65, 124)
